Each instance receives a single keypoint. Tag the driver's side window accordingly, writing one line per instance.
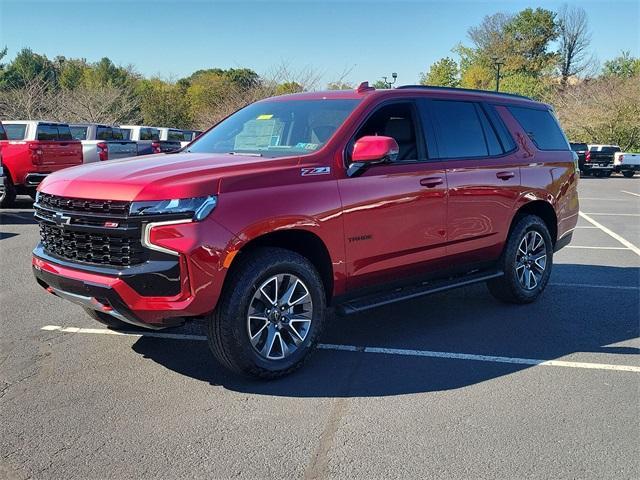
(396, 120)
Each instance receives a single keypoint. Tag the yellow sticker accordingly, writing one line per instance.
(265, 117)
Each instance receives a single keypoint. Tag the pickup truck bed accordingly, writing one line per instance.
(599, 160)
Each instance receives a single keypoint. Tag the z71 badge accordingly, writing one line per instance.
(315, 171)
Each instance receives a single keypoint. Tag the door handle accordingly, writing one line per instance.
(505, 175)
(431, 182)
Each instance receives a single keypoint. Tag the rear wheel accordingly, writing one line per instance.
(270, 316)
(598, 174)
(8, 194)
(526, 262)
(608, 173)
(628, 173)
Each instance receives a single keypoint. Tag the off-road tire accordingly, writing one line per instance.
(227, 324)
(507, 288)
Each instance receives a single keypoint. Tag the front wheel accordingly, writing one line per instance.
(526, 262)
(270, 314)
(628, 173)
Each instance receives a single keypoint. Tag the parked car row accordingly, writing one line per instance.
(603, 160)
(32, 149)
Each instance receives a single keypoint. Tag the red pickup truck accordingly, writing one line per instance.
(32, 150)
(353, 199)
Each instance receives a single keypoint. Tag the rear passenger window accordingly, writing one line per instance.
(506, 140)
(47, 132)
(104, 133)
(458, 129)
(64, 132)
(175, 135)
(149, 134)
(79, 133)
(542, 128)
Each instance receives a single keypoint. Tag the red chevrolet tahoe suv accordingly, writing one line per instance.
(353, 199)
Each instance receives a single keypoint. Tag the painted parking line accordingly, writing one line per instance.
(596, 248)
(377, 350)
(630, 193)
(593, 285)
(613, 214)
(605, 199)
(611, 233)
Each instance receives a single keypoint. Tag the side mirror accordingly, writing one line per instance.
(370, 150)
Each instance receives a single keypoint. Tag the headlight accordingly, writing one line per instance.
(198, 208)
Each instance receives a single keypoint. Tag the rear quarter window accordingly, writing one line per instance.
(541, 127)
(3, 134)
(16, 131)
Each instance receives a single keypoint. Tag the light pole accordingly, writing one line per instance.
(394, 75)
(497, 63)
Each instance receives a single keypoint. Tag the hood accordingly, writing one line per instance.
(154, 177)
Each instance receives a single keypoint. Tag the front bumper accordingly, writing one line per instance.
(146, 295)
(110, 295)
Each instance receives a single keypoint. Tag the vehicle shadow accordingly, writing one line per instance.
(563, 322)
(20, 214)
(17, 218)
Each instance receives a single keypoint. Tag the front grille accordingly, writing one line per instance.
(90, 231)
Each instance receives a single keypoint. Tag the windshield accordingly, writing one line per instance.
(277, 128)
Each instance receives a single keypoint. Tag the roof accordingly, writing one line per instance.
(364, 90)
(9, 122)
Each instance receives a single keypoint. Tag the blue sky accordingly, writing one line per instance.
(173, 38)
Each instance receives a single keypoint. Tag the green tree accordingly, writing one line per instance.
(624, 65)
(380, 84)
(163, 103)
(27, 66)
(288, 87)
(339, 85)
(444, 73)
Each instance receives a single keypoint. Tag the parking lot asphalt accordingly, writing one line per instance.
(455, 385)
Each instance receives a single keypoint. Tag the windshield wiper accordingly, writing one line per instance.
(247, 154)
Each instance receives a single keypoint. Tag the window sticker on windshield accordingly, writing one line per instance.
(265, 117)
(307, 146)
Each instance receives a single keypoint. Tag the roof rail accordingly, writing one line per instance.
(471, 90)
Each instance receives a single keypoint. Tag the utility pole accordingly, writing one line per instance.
(497, 63)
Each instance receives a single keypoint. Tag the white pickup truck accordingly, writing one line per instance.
(184, 137)
(626, 163)
(102, 142)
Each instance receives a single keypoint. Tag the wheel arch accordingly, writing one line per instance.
(303, 242)
(542, 209)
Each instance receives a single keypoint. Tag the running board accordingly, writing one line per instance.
(369, 302)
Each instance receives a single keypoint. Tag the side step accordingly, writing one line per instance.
(368, 302)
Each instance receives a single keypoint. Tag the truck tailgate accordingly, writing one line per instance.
(122, 149)
(56, 154)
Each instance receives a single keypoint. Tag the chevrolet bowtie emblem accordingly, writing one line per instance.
(60, 219)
